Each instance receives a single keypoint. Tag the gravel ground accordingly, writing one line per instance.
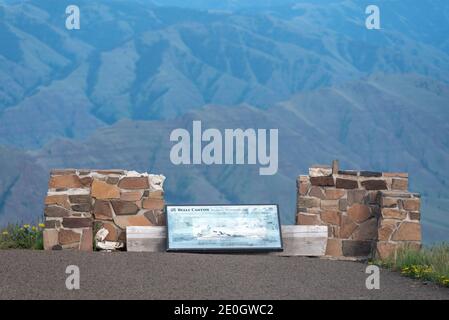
(41, 275)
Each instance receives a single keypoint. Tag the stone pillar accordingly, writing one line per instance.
(80, 202)
(399, 222)
(348, 202)
(337, 201)
(335, 166)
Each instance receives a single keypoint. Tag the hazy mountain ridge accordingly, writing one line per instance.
(21, 178)
(109, 94)
(142, 61)
(382, 136)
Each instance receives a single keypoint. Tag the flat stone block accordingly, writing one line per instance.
(60, 200)
(397, 194)
(320, 171)
(134, 183)
(347, 227)
(131, 195)
(86, 240)
(83, 207)
(346, 183)
(124, 207)
(322, 181)
(56, 211)
(399, 184)
(408, 231)
(51, 238)
(68, 237)
(342, 204)
(80, 198)
(64, 181)
(359, 212)
(374, 184)
(384, 232)
(334, 248)
(414, 215)
(156, 217)
(316, 192)
(353, 248)
(389, 213)
(411, 204)
(103, 190)
(357, 197)
(366, 230)
(395, 174)
(334, 194)
(370, 174)
(329, 204)
(388, 202)
(102, 210)
(73, 223)
(385, 250)
(153, 204)
(62, 172)
(307, 219)
(348, 172)
(128, 221)
(308, 202)
(331, 217)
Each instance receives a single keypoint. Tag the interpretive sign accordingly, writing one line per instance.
(223, 228)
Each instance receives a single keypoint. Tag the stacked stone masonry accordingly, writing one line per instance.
(80, 202)
(367, 213)
(399, 222)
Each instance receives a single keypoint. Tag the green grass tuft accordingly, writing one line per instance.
(26, 236)
(430, 263)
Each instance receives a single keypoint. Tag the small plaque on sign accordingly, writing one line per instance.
(223, 228)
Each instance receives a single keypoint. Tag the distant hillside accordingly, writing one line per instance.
(388, 123)
(140, 61)
(21, 178)
(109, 94)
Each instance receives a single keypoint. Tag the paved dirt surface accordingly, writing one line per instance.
(41, 275)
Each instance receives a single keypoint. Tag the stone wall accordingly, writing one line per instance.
(399, 222)
(358, 209)
(80, 202)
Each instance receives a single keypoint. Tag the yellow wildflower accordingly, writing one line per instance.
(26, 226)
(41, 225)
(5, 233)
(33, 228)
